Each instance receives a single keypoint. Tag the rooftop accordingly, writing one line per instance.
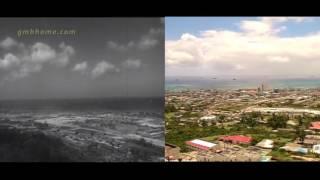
(201, 144)
(315, 125)
(237, 139)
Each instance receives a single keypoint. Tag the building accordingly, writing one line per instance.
(266, 143)
(315, 125)
(293, 147)
(316, 148)
(208, 119)
(310, 140)
(236, 139)
(201, 145)
(265, 158)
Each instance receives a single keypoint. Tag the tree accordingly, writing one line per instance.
(278, 121)
(300, 133)
(221, 119)
(203, 124)
(250, 119)
(170, 108)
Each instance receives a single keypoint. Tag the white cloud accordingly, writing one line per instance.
(41, 52)
(239, 67)
(24, 71)
(147, 41)
(8, 61)
(268, 25)
(132, 64)
(284, 19)
(279, 59)
(187, 36)
(257, 27)
(80, 67)
(151, 39)
(102, 68)
(119, 47)
(179, 57)
(257, 48)
(63, 57)
(8, 43)
(31, 59)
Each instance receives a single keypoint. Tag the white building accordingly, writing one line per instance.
(198, 144)
(208, 119)
(316, 148)
(266, 143)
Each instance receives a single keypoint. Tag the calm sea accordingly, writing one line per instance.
(238, 83)
(83, 105)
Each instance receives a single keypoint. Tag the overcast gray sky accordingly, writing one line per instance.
(106, 57)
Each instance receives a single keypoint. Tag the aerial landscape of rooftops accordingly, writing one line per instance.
(242, 89)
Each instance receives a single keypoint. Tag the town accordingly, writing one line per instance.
(98, 137)
(254, 124)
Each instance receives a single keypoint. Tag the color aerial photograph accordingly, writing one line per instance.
(81, 89)
(242, 89)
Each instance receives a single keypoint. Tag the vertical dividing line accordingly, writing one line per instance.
(127, 85)
(126, 73)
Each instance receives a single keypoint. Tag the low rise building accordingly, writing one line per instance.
(293, 147)
(201, 145)
(310, 140)
(316, 149)
(208, 119)
(315, 125)
(236, 139)
(266, 143)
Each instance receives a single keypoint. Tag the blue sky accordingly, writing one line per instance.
(176, 26)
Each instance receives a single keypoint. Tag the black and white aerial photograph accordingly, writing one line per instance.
(81, 89)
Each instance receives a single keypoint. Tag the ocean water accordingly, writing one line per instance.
(123, 127)
(83, 105)
(181, 83)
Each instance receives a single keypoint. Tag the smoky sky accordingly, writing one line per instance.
(105, 57)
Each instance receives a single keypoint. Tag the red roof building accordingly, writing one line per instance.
(315, 125)
(237, 139)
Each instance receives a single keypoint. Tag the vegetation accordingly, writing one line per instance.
(258, 126)
(278, 121)
(300, 133)
(281, 155)
(249, 126)
(251, 119)
(221, 118)
(180, 135)
(170, 108)
(16, 146)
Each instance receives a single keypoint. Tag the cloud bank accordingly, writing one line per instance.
(31, 59)
(257, 49)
